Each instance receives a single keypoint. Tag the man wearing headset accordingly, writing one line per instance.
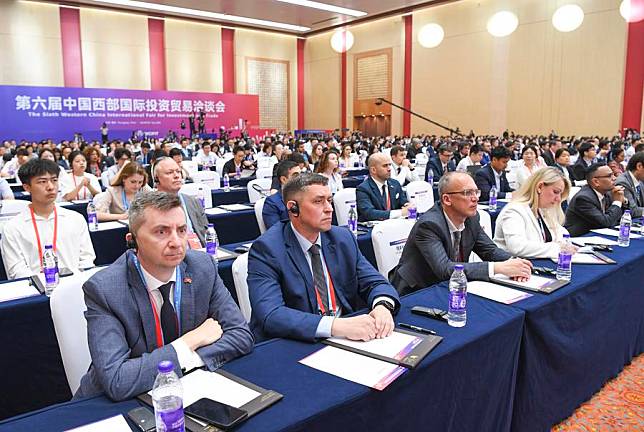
(305, 276)
(157, 302)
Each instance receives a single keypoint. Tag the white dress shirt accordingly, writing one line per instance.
(335, 182)
(601, 197)
(403, 174)
(206, 160)
(188, 359)
(453, 228)
(464, 163)
(20, 248)
(69, 182)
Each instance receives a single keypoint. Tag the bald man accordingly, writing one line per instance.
(380, 197)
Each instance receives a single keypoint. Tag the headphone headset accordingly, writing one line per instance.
(295, 209)
(131, 243)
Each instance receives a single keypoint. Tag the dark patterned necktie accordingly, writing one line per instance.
(169, 323)
(318, 277)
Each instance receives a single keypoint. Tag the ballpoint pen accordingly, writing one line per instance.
(417, 328)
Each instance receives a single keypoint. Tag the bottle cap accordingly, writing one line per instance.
(627, 211)
(566, 236)
(211, 225)
(49, 247)
(458, 267)
(166, 366)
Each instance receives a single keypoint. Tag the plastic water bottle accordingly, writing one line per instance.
(457, 308)
(564, 263)
(202, 197)
(492, 202)
(167, 398)
(624, 238)
(226, 183)
(353, 220)
(430, 176)
(238, 172)
(92, 219)
(412, 212)
(50, 268)
(212, 242)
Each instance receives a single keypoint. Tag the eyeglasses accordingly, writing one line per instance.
(606, 176)
(467, 193)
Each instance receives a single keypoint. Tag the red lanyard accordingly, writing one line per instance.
(331, 294)
(157, 323)
(33, 219)
(84, 188)
(388, 197)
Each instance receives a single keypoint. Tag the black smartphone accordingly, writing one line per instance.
(143, 418)
(219, 414)
(434, 313)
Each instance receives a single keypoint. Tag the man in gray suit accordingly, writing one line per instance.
(633, 182)
(158, 302)
(446, 235)
(167, 178)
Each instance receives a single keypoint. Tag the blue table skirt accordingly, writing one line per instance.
(465, 384)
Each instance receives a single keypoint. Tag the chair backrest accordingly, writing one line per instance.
(191, 166)
(198, 190)
(210, 178)
(342, 201)
(421, 159)
(67, 311)
(486, 223)
(240, 272)
(14, 206)
(219, 165)
(264, 162)
(266, 172)
(422, 193)
(105, 179)
(259, 206)
(573, 192)
(389, 238)
(263, 184)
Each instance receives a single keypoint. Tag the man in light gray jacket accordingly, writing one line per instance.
(633, 182)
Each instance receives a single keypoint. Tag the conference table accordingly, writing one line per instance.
(448, 390)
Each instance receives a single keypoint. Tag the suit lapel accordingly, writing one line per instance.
(142, 299)
(187, 299)
(334, 268)
(294, 252)
(377, 192)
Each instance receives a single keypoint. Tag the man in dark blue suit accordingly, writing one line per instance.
(380, 197)
(274, 209)
(493, 174)
(441, 163)
(305, 276)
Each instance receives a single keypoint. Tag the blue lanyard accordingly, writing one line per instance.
(126, 205)
(177, 286)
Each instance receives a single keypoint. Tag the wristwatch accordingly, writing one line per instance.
(387, 306)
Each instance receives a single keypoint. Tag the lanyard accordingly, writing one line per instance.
(543, 231)
(126, 205)
(177, 300)
(331, 298)
(84, 188)
(33, 219)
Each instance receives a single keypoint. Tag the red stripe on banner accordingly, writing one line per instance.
(228, 59)
(343, 98)
(71, 42)
(634, 71)
(156, 38)
(407, 76)
(300, 83)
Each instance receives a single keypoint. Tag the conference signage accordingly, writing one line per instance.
(36, 113)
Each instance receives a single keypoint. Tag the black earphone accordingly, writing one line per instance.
(131, 243)
(295, 209)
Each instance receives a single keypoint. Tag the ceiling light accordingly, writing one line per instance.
(502, 24)
(203, 14)
(632, 11)
(431, 35)
(326, 7)
(341, 41)
(568, 18)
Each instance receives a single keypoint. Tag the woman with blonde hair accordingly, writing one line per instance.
(114, 203)
(531, 225)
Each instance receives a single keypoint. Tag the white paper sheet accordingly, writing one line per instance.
(614, 233)
(582, 258)
(103, 226)
(397, 346)
(247, 245)
(354, 367)
(16, 290)
(535, 282)
(482, 207)
(112, 424)
(594, 240)
(235, 207)
(495, 292)
(203, 384)
(215, 211)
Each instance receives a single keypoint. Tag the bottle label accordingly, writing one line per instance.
(91, 218)
(412, 213)
(457, 301)
(625, 230)
(202, 200)
(173, 421)
(492, 200)
(564, 261)
(353, 225)
(50, 275)
(211, 248)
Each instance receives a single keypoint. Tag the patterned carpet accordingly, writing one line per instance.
(617, 407)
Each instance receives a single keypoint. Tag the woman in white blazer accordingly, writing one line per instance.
(531, 225)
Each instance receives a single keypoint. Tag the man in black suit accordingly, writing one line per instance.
(493, 174)
(414, 148)
(446, 235)
(441, 163)
(593, 206)
(380, 197)
(549, 154)
(586, 158)
(633, 183)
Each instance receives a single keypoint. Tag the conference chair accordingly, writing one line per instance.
(240, 272)
(573, 192)
(342, 201)
(259, 206)
(486, 223)
(219, 165)
(197, 190)
(422, 193)
(68, 308)
(388, 239)
(258, 188)
(266, 172)
(105, 179)
(13, 206)
(264, 162)
(210, 178)
(191, 167)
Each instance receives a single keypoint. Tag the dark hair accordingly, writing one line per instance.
(444, 148)
(300, 183)
(616, 152)
(73, 155)
(561, 151)
(324, 160)
(120, 152)
(176, 152)
(237, 149)
(296, 157)
(639, 147)
(22, 151)
(158, 154)
(40, 153)
(396, 149)
(530, 147)
(500, 152)
(37, 168)
(591, 171)
(284, 167)
(585, 147)
(476, 149)
(635, 159)
(145, 145)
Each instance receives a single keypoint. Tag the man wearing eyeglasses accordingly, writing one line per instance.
(599, 204)
(447, 235)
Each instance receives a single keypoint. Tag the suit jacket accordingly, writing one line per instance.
(280, 283)
(274, 210)
(567, 171)
(144, 159)
(197, 217)
(585, 213)
(371, 205)
(437, 168)
(64, 163)
(548, 158)
(518, 232)
(121, 325)
(426, 260)
(579, 169)
(635, 200)
(485, 179)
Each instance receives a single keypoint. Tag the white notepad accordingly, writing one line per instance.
(17, 290)
(496, 292)
(112, 424)
(235, 207)
(614, 233)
